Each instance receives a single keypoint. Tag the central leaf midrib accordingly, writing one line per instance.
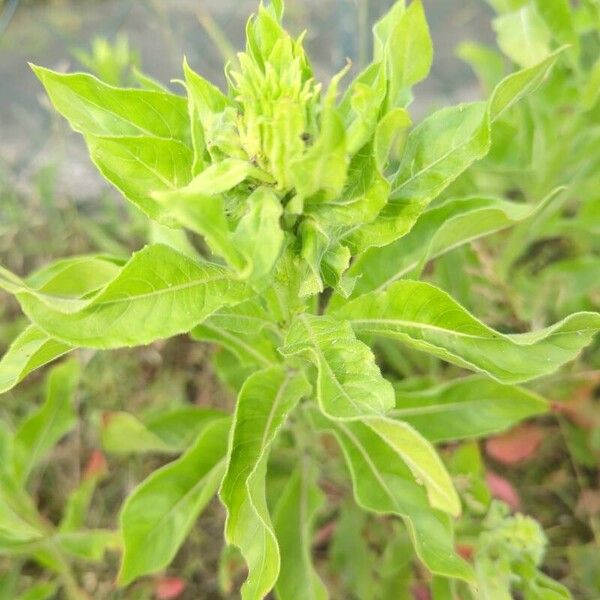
(96, 302)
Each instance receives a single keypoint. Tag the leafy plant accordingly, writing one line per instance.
(310, 213)
(26, 533)
(111, 62)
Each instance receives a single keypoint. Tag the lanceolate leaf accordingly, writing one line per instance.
(523, 35)
(95, 108)
(140, 167)
(138, 139)
(123, 433)
(158, 515)
(206, 216)
(258, 235)
(293, 521)
(167, 432)
(428, 319)
(158, 293)
(88, 544)
(384, 484)
(204, 100)
(247, 317)
(31, 350)
(438, 230)
(364, 195)
(438, 150)
(421, 458)
(349, 383)
(38, 434)
(264, 403)
(408, 53)
(18, 524)
(255, 350)
(76, 276)
(559, 20)
(470, 407)
(178, 427)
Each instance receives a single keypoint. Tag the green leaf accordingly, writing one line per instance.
(408, 53)
(79, 500)
(175, 238)
(255, 244)
(160, 512)
(384, 28)
(40, 591)
(87, 544)
(389, 132)
(523, 36)
(255, 350)
(41, 430)
(248, 317)
(29, 351)
(315, 242)
(179, 427)
(438, 150)
(258, 236)
(421, 458)
(166, 432)
(97, 109)
(470, 407)
(158, 293)
(349, 383)
(204, 100)
(426, 318)
(140, 167)
(217, 178)
(364, 195)
(361, 106)
(206, 216)
(293, 521)
(264, 402)
(33, 348)
(123, 433)
(439, 229)
(324, 165)
(18, 516)
(487, 63)
(559, 20)
(76, 276)
(384, 484)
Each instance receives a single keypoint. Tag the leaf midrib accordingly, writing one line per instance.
(317, 350)
(95, 303)
(120, 117)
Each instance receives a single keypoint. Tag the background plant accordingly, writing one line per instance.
(286, 201)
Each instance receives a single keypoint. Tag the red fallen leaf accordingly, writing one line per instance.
(465, 551)
(169, 588)
(503, 490)
(588, 503)
(96, 465)
(323, 535)
(420, 592)
(107, 417)
(516, 445)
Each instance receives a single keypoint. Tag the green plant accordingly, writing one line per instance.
(25, 532)
(311, 212)
(114, 63)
